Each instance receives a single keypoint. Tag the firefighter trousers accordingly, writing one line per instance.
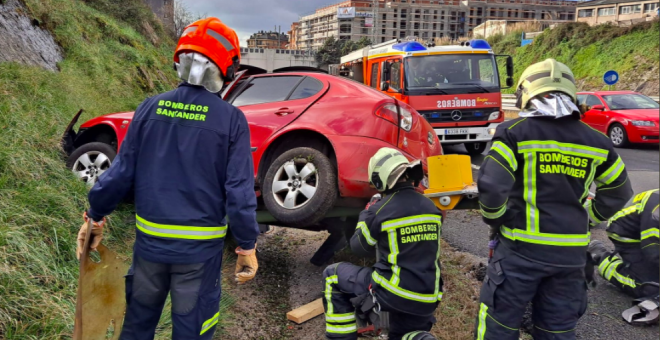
(627, 270)
(558, 296)
(195, 294)
(344, 281)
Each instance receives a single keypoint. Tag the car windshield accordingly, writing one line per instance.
(630, 101)
(446, 71)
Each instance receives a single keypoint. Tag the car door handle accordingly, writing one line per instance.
(284, 111)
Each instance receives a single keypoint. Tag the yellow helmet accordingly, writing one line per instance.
(546, 76)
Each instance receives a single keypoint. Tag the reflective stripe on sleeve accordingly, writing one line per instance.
(178, 231)
(506, 153)
(493, 215)
(653, 232)
(622, 239)
(611, 174)
(589, 206)
(567, 240)
(365, 232)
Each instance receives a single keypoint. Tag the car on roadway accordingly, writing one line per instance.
(312, 135)
(624, 116)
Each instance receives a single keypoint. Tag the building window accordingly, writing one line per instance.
(630, 9)
(650, 7)
(606, 11)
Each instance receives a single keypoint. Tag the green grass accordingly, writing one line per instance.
(108, 66)
(589, 51)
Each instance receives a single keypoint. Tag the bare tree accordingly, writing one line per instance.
(184, 17)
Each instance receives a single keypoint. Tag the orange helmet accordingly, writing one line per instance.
(214, 40)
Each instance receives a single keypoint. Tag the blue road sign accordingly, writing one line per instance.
(610, 77)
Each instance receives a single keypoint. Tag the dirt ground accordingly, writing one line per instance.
(287, 280)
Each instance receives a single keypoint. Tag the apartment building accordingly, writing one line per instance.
(616, 11)
(293, 36)
(272, 40)
(382, 20)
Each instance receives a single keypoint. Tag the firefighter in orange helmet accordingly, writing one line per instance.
(184, 190)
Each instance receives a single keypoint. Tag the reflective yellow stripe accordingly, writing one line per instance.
(411, 220)
(411, 336)
(493, 215)
(622, 239)
(647, 195)
(341, 329)
(406, 294)
(339, 317)
(590, 179)
(653, 232)
(608, 271)
(506, 153)
(394, 252)
(589, 206)
(531, 212)
(624, 212)
(481, 329)
(365, 232)
(208, 324)
(178, 231)
(565, 148)
(611, 174)
(328, 292)
(567, 240)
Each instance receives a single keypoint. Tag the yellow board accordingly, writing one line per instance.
(448, 173)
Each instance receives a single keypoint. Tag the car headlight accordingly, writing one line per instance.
(491, 131)
(642, 123)
(406, 119)
(494, 115)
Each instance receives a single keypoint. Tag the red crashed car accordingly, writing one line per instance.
(312, 136)
(625, 116)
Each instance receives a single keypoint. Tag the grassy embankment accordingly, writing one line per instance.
(590, 52)
(115, 55)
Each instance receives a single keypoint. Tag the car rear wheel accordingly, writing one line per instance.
(618, 135)
(475, 148)
(300, 187)
(91, 160)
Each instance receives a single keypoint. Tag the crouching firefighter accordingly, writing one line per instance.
(403, 229)
(633, 266)
(187, 156)
(533, 190)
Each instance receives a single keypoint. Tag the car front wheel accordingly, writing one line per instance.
(618, 135)
(300, 187)
(91, 160)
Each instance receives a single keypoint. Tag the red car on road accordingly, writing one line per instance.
(625, 116)
(312, 136)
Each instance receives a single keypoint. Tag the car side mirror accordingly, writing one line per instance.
(384, 86)
(509, 81)
(598, 107)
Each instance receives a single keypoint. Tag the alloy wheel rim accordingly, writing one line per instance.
(616, 135)
(295, 184)
(90, 165)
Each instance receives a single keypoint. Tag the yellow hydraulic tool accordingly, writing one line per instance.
(450, 182)
(101, 298)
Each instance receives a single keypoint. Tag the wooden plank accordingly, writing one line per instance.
(306, 312)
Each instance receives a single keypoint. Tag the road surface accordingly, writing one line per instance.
(602, 321)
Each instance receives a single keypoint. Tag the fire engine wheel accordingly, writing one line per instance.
(475, 148)
(300, 187)
(91, 160)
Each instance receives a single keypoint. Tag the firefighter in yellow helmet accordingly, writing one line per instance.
(403, 230)
(533, 193)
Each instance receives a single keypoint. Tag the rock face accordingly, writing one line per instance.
(22, 42)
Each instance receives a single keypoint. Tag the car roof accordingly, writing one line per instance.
(603, 93)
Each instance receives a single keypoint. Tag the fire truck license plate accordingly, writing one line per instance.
(456, 131)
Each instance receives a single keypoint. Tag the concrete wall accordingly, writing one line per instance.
(489, 28)
(617, 17)
(271, 60)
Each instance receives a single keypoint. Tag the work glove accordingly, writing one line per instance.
(375, 198)
(95, 238)
(246, 265)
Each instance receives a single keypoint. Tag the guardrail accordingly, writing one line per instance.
(509, 102)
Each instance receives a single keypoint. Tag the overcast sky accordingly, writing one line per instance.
(249, 16)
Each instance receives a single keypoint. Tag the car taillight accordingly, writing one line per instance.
(406, 119)
(388, 112)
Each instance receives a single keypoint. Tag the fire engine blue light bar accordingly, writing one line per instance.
(478, 43)
(409, 46)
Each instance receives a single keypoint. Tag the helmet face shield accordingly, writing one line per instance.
(199, 70)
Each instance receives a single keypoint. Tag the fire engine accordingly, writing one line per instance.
(456, 88)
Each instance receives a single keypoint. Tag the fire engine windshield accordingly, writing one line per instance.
(467, 72)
